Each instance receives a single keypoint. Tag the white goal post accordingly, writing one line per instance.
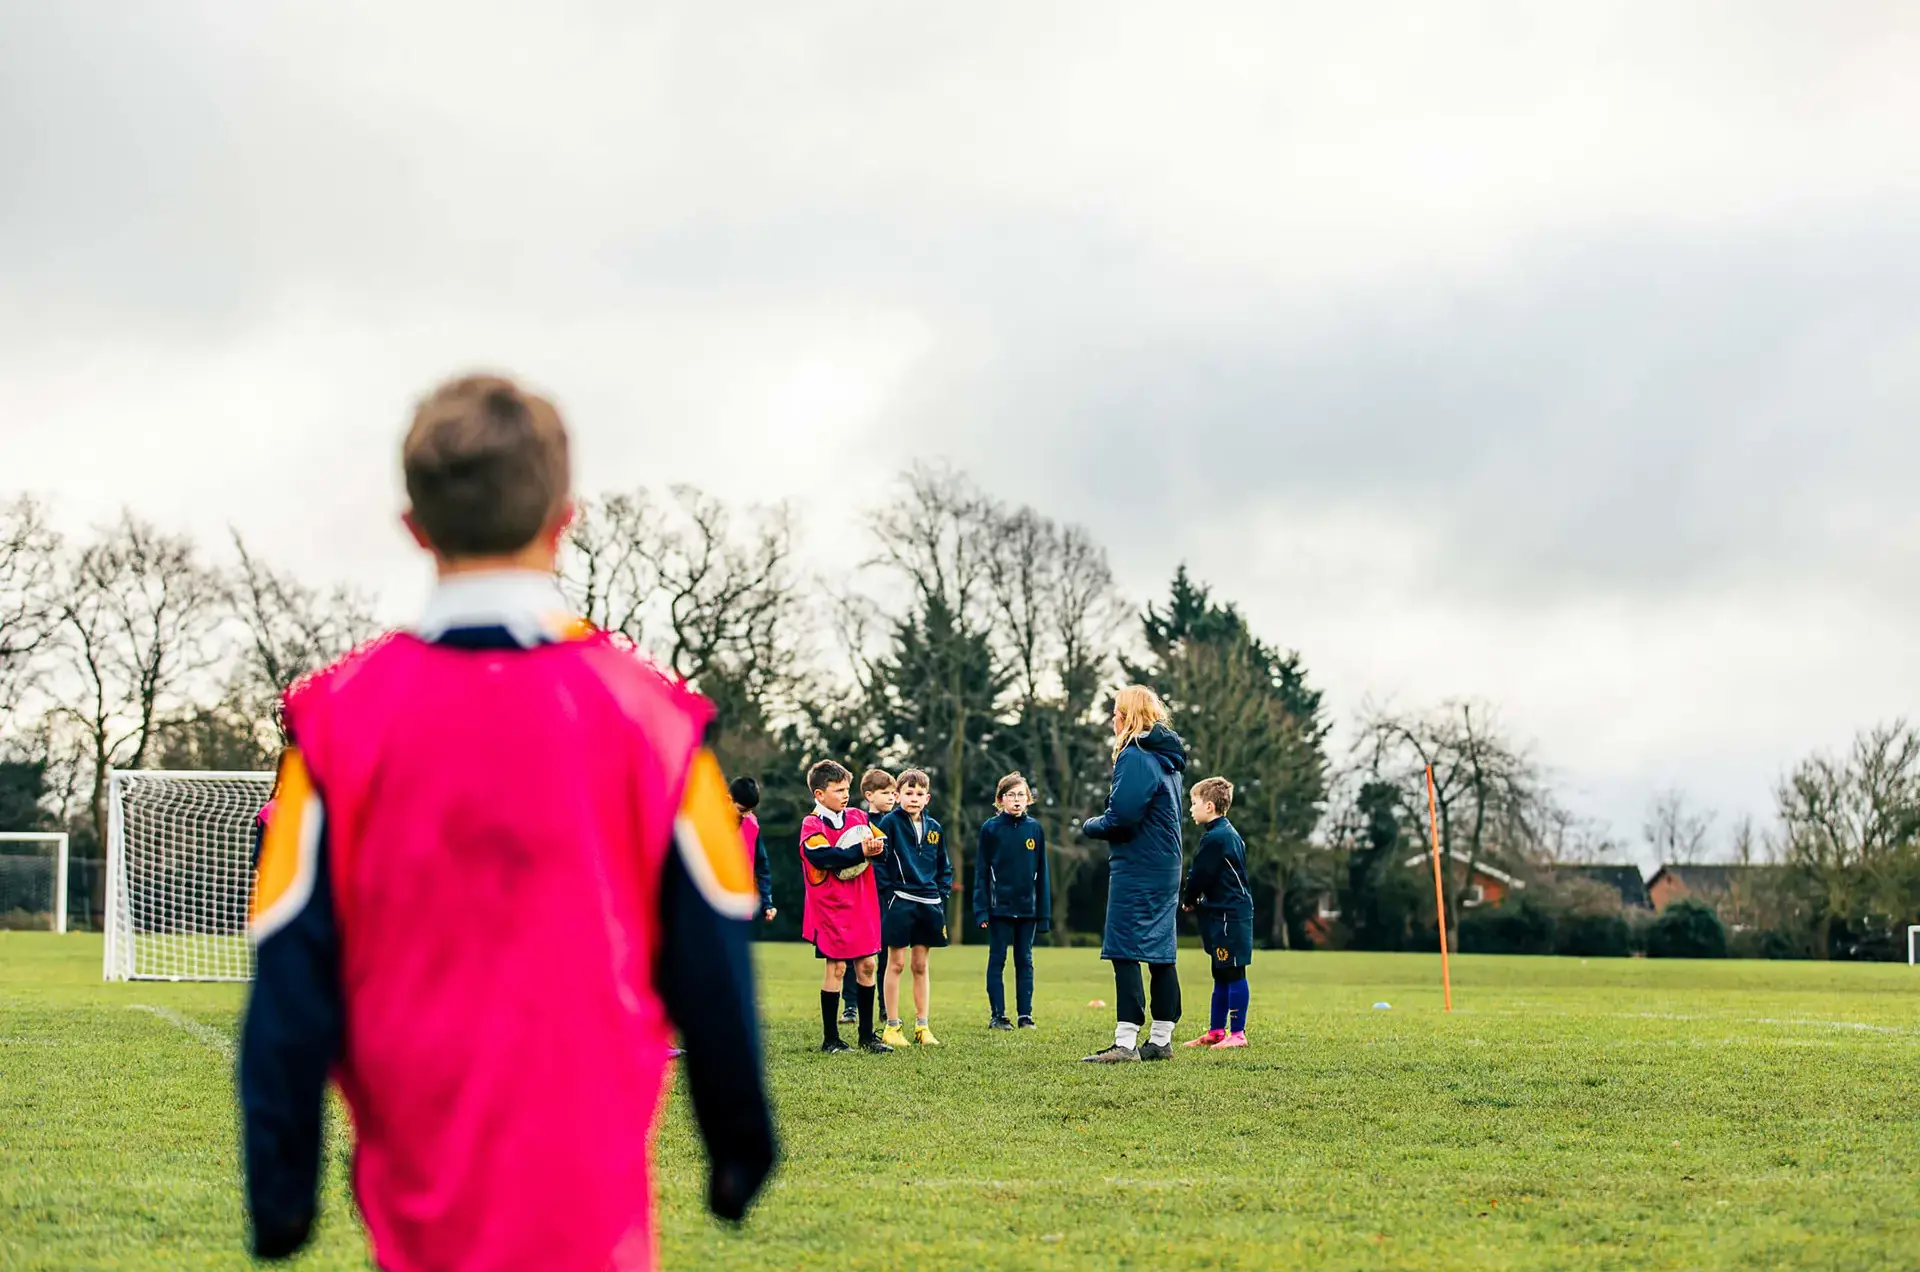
(33, 879)
(180, 873)
(1913, 945)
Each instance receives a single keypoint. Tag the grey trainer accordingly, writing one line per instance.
(1115, 1054)
(1154, 1051)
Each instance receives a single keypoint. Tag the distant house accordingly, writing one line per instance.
(1733, 891)
(1489, 885)
(1624, 880)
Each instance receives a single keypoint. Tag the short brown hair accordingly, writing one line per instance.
(914, 777)
(825, 774)
(1217, 791)
(875, 780)
(487, 466)
(1007, 783)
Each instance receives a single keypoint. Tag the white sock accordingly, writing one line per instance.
(1126, 1034)
(1161, 1033)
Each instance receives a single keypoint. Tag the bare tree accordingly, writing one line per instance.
(1487, 789)
(1055, 614)
(607, 568)
(137, 613)
(29, 550)
(1675, 831)
(712, 593)
(937, 537)
(1568, 838)
(730, 594)
(1851, 827)
(288, 629)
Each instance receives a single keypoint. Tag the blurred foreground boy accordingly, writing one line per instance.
(500, 868)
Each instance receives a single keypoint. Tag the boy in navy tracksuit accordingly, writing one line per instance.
(1216, 889)
(1011, 896)
(915, 878)
(877, 796)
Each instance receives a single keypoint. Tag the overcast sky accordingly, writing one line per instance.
(1564, 355)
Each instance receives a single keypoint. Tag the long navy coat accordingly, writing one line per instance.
(1142, 827)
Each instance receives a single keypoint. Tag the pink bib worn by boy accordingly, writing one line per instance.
(841, 916)
(498, 824)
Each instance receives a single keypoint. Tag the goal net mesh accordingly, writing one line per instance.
(30, 882)
(179, 872)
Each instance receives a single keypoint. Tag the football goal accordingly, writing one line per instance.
(179, 871)
(1913, 945)
(33, 881)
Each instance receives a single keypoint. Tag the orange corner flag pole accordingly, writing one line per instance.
(1439, 892)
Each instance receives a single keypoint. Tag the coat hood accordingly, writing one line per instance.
(1164, 745)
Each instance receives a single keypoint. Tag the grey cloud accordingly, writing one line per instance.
(1640, 414)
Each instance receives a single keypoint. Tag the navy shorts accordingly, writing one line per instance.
(1228, 937)
(905, 923)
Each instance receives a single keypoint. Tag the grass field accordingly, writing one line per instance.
(1568, 1114)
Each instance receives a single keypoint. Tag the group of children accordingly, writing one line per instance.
(878, 879)
(500, 870)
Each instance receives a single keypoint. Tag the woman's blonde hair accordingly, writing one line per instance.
(1138, 709)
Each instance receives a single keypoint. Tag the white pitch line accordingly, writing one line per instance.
(203, 1033)
(1803, 1022)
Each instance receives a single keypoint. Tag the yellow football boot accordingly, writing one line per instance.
(923, 1037)
(892, 1036)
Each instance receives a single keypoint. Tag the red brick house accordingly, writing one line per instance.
(1489, 885)
(1734, 892)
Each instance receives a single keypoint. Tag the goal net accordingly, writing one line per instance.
(179, 870)
(33, 881)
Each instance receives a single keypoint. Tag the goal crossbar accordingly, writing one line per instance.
(59, 843)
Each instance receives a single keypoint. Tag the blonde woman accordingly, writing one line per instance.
(1142, 828)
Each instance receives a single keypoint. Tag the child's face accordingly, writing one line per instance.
(1204, 812)
(882, 801)
(914, 799)
(1014, 802)
(833, 798)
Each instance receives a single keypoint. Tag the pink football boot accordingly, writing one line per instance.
(1211, 1038)
(1234, 1039)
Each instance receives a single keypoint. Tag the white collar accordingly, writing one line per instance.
(833, 819)
(527, 603)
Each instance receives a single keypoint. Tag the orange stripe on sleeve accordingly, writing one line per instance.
(283, 877)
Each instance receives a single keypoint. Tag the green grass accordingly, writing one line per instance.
(1596, 1114)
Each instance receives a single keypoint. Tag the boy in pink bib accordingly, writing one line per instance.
(842, 912)
(500, 867)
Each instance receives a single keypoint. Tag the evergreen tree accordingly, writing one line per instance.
(22, 784)
(1380, 900)
(1247, 713)
(936, 693)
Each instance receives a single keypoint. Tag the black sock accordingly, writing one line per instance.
(830, 1015)
(866, 1013)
